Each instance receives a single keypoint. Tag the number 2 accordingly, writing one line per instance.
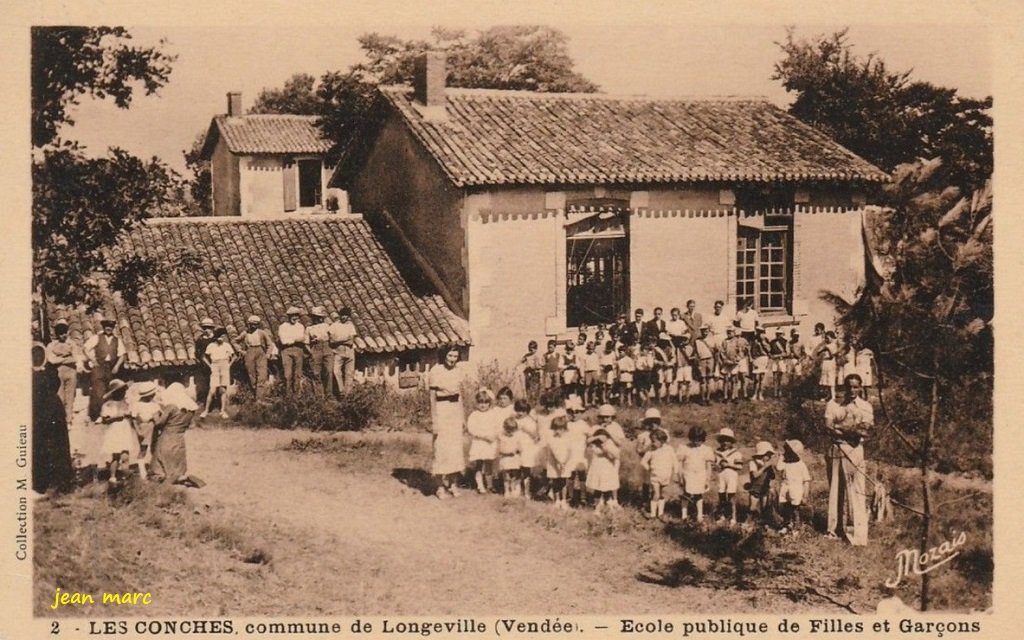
(54, 628)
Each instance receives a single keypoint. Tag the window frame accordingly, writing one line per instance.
(754, 286)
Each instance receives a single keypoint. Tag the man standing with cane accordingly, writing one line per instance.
(848, 420)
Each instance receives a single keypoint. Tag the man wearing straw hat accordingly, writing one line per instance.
(343, 334)
(321, 357)
(105, 355)
(202, 371)
(63, 355)
(292, 336)
(257, 348)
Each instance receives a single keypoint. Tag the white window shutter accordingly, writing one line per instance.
(290, 191)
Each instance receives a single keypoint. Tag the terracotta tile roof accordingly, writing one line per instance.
(268, 133)
(488, 137)
(262, 267)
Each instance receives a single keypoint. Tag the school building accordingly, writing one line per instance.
(533, 213)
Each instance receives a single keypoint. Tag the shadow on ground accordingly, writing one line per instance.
(417, 479)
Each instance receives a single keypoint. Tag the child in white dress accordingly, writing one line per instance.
(695, 461)
(483, 426)
(529, 434)
(578, 431)
(559, 454)
(508, 457)
(602, 469)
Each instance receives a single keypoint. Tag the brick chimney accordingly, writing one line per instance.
(428, 78)
(234, 103)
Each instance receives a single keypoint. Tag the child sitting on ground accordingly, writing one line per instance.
(661, 466)
(728, 462)
(762, 473)
(559, 454)
(508, 460)
(483, 426)
(695, 461)
(603, 470)
(795, 486)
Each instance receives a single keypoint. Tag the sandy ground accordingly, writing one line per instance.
(379, 546)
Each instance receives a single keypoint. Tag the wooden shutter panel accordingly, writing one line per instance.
(290, 191)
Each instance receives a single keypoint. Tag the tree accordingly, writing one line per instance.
(883, 115)
(928, 317)
(200, 184)
(70, 62)
(83, 207)
(297, 96)
(522, 57)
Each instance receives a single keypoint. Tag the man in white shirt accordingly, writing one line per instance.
(748, 320)
(342, 334)
(321, 356)
(848, 420)
(105, 355)
(675, 326)
(219, 356)
(65, 357)
(292, 336)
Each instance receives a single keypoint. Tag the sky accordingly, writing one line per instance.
(658, 52)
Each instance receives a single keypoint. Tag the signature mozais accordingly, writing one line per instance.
(912, 561)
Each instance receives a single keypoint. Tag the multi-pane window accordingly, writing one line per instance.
(764, 267)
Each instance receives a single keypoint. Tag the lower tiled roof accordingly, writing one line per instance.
(262, 267)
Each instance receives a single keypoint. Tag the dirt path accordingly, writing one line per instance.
(360, 542)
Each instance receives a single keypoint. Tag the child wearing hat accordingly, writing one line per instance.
(762, 473)
(483, 426)
(559, 455)
(120, 444)
(650, 423)
(661, 466)
(603, 469)
(695, 462)
(606, 420)
(728, 462)
(144, 412)
(509, 449)
(795, 484)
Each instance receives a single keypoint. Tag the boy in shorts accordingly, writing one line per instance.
(728, 462)
(219, 356)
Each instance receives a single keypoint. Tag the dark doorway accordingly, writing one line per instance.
(309, 183)
(597, 268)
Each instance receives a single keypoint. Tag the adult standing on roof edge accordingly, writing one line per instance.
(342, 334)
(105, 353)
(292, 336)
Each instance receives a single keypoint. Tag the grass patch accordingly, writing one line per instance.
(143, 537)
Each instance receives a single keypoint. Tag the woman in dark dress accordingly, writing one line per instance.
(51, 449)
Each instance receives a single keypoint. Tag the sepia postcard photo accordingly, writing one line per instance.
(505, 320)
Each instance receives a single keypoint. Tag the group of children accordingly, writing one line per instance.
(603, 365)
(553, 451)
(693, 465)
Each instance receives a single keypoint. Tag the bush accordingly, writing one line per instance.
(365, 405)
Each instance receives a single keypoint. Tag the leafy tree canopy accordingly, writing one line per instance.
(71, 62)
(884, 115)
(522, 57)
(81, 206)
(297, 96)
